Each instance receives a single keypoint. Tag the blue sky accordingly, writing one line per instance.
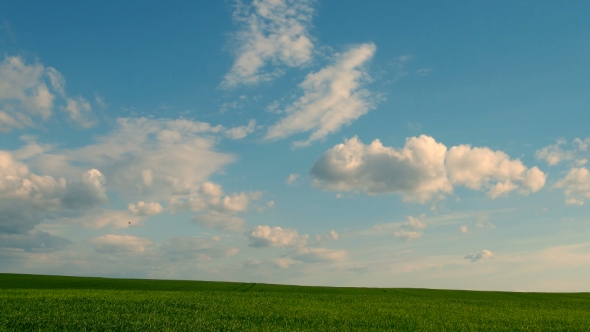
(306, 142)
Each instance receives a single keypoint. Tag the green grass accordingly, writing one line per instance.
(53, 303)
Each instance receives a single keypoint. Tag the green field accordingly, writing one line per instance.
(52, 303)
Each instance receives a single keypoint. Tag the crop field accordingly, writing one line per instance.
(51, 303)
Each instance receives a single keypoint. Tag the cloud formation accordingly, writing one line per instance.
(29, 92)
(417, 171)
(421, 170)
(482, 255)
(554, 154)
(332, 97)
(576, 185)
(265, 236)
(116, 244)
(273, 32)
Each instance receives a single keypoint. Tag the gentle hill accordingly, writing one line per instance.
(59, 303)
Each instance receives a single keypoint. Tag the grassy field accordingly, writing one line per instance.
(50, 303)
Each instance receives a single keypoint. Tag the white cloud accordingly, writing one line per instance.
(414, 223)
(46, 192)
(576, 185)
(31, 90)
(554, 154)
(332, 236)
(115, 244)
(80, 111)
(265, 236)
(220, 221)
(318, 255)
(291, 178)
(147, 159)
(463, 229)
(484, 254)
(24, 92)
(283, 262)
(105, 218)
(332, 97)
(273, 32)
(241, 131)
(408, 235)
(478, 168)
(421, 170)
(145, 209)
(417, 171)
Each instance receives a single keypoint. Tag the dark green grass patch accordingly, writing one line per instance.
(47, 303)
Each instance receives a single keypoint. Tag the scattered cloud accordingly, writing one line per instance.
(554, 154)
(407, 235)
(482, 255)
(80, 111)
(576, 185)
(30, 91)
(291, 179)
(145, 209)
(273, 32)
(318, 255)
(332, 97)
(265, 236)
(116, 244)
(463, 229)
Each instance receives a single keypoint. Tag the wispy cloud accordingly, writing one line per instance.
(273, 33)
(28, 92)
(332, 97)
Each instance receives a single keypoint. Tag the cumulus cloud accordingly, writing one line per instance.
(145, 209)
(273, 32)
(417, 171)
(29, 91)
(481, 168)
(115, 244)
(554, 154)
(463, 229)
(291, 178)
(421, 170)
(46, 192)
(220, 209)
(576, 185)
(482, 255)
(265, 236)
(147, 158)
(332, 97)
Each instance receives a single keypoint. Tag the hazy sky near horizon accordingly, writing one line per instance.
(314, 142)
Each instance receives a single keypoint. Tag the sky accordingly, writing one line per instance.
(313, 142)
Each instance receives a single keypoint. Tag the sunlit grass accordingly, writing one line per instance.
(41, 303)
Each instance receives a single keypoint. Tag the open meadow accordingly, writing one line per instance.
(53, 303)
